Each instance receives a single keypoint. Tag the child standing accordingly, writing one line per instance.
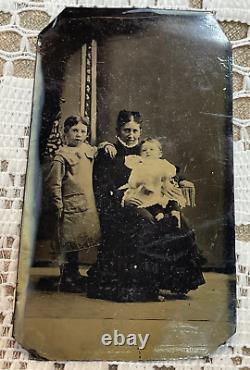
(151, 185)
(72, 201)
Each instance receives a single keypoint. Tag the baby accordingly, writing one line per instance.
(151, 184)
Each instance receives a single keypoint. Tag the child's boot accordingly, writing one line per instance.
(71, 280)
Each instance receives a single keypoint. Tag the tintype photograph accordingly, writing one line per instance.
(127, 242)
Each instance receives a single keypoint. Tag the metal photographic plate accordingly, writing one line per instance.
(127, 240)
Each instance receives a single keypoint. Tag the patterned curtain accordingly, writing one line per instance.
(88, 99)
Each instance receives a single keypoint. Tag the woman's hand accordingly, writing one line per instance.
(110, 150)
(132, 202)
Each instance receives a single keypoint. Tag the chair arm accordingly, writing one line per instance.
(188, 191)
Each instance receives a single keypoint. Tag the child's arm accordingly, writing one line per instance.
(170, 188)
(54, 182)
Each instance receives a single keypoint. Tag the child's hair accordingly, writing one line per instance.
(125, 116)
(73, 121)
(153, 141)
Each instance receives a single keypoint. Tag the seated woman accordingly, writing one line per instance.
(138, 257)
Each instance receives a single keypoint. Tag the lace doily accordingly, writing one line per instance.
(20, 23)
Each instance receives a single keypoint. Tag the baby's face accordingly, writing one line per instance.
(150, 150)
(76, 135)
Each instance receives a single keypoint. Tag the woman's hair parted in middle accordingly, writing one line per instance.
(126, 116)
(74, 120)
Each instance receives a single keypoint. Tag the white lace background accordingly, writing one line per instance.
(20, 23)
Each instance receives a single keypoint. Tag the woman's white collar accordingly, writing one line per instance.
(124, 144)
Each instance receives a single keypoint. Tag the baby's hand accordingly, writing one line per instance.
(186, 184)
(110, 150)
(159, 216)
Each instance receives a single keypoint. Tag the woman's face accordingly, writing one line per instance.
(130, 133)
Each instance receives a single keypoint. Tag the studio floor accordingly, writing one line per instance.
(66, 326)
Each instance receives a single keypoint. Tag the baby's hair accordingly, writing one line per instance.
(153, 141)
(125, 116)
(73, 121)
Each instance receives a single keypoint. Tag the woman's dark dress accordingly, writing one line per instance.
(137, 257)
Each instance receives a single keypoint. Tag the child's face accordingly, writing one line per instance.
(150, 150)
(76, 135)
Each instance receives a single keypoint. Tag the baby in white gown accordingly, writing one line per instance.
(152, 180)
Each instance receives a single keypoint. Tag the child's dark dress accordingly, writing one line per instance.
(137, 257)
